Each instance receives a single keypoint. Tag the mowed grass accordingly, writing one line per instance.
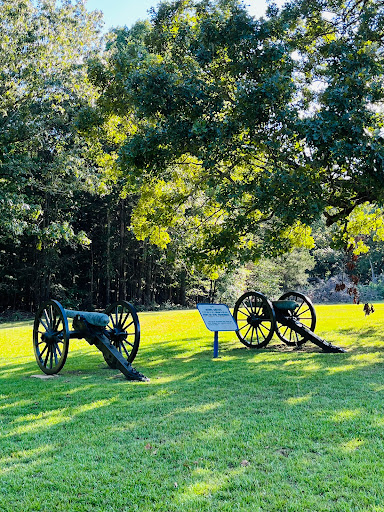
(254, 430)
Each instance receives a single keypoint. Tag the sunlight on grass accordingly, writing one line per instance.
(206, 485)
(313, 367)
(26, 455)
(11, 370)
(79, 389)
(211, 434)
(201, 408)
(371, 358)
(20, 460)
(271, 430)
(346, 415)
(359, 361)
(92, 406)
(352, 445)
(157, 362)
(299, 399)
(20, 403)
(166, 379)
(343, 368)
(377, 388)
(35, 423)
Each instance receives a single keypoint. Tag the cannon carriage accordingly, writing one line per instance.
(116, 333)
(292, 318)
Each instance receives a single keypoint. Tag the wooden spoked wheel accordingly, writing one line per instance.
(304, 313)
(51, 337)
(123, 330)
(255, 318)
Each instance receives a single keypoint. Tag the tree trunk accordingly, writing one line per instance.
(147, 260)
(122, 254)
(212, 291)
(91, 278)
(373, 275)
(183, 282)
(108, 261)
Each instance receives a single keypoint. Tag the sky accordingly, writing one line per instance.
(126, 12)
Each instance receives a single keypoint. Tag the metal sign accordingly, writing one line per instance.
(217, 317)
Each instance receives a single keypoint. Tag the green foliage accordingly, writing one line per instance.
(213, 138)
(43, 85)
(200, 149)
(341, 54)
(274, 276)
(244, 128)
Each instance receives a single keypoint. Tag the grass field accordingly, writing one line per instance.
(254, 430)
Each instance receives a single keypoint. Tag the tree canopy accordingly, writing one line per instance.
(43, 87)
(242, 131)
(202, 139)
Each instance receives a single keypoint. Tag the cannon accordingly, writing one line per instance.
(292, 318)
(116, 333)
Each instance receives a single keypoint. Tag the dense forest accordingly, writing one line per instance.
(191, 156)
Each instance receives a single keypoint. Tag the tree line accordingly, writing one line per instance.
(158, 163)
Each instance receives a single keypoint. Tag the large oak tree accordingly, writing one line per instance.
(241, 132)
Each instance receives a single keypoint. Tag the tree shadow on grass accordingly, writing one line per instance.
(165, 357)
(17, 323)
(195, 424)
(365, 332)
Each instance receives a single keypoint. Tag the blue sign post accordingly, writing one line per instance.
(216, 344)
(217, 317)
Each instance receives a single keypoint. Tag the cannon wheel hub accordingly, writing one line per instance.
(116, 335)
(254, 320)
(50, 337)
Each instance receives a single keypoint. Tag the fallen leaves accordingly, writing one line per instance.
(149, 448)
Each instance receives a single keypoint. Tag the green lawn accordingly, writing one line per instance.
(255, 430)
